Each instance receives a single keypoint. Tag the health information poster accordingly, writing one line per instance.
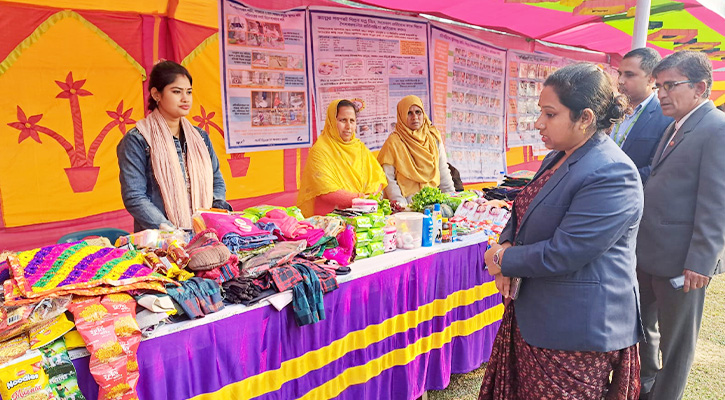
(264, 75)
(468, 103)
(373, 60)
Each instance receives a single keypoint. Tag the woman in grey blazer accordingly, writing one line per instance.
(571, 238)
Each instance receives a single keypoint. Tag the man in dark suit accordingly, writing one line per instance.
(682, 232)
(640, 132)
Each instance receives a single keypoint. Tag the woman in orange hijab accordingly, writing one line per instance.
(339, 167)
(413, 157)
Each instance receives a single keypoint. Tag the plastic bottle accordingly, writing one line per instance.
(446, 231)
(454, 232)
(428, 237)
(501, 178)
(438, 222)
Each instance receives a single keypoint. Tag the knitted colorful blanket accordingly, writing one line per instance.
(77, 268)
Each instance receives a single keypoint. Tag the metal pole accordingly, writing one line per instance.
(641, 23)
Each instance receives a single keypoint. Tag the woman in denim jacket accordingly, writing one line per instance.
(168, 167)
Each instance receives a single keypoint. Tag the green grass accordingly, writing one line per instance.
(707, 378)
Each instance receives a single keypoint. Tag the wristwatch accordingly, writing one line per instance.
(497, 257)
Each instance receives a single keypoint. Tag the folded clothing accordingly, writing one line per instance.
(197, 297)
(225, 224)
(240, 290)
(278, 255)
(288, 275)
(292, 229)
(237, 243)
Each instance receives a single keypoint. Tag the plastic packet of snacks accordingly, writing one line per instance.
(43, 334)
(123, 310)
(62, 377)
(362, 252)
(13, 348)
(15, 320)
(377, 219)
(25, 379)
(96, 321)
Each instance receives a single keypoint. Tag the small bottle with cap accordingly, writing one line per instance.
(446, 231)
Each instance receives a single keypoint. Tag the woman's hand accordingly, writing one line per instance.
(494, 269)
(503, 284)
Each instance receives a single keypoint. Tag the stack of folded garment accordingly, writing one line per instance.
(289, 228)
(501, 193)
(308, 282)
(81, 268)
(241, 290)
(238, 233)
(197, 297)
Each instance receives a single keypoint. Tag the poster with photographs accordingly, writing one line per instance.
(372, 59)
(468, 103)
(526, 75)
(264, 75)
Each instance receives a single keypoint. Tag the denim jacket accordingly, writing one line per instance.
(139, 190)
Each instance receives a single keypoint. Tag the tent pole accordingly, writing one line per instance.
(641, 23)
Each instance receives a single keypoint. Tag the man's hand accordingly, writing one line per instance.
(693, 280)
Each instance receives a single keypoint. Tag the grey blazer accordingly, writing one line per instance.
(575, 251)
(683, 225)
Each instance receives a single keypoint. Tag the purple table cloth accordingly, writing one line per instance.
(388, 336)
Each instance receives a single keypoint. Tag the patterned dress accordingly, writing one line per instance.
(519, 371)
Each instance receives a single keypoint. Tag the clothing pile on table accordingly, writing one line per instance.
(508, 190)
(107, 298)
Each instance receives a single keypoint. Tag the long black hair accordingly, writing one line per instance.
(163, 74)
(584, 85)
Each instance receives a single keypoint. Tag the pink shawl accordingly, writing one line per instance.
(167, 171)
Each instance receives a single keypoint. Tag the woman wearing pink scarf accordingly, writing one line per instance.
(168, 167)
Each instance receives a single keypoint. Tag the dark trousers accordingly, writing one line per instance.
(671, 320)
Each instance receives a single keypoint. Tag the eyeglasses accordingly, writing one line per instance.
(669, 85)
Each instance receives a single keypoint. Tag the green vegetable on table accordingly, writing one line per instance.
(432, 195)
(383, 204)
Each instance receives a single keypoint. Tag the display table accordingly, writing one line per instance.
(398, 325)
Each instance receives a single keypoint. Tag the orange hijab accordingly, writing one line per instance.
(334, 164)
(414, 154)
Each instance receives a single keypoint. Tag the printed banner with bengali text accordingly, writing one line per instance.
(372, 59)
(467, 87)
(264, 75)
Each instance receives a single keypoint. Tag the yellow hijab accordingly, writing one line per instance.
(334, 164)
(414, 154)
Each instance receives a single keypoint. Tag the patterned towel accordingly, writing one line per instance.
(77, 268)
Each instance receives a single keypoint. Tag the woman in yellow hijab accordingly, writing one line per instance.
(413, 157)
(339, 167)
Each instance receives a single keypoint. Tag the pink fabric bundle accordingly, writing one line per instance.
(291, 229)
(230, 223)
(346, 244)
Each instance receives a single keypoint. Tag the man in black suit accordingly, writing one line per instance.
(640, 132)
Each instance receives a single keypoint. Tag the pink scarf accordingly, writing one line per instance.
(167, 171)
